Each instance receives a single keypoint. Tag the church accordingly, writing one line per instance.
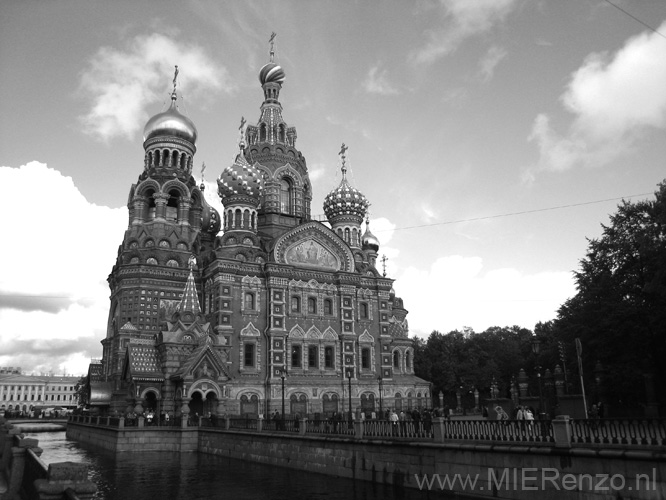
(256, 309)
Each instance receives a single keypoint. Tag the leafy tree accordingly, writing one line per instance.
(619, 310)
(81, 391)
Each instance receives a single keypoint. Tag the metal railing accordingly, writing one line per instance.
(513, 431)
(624, 432)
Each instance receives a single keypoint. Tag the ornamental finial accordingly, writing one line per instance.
(342, 153)
(272, 42)
(384, 259)
(175, 76)
(203, 168)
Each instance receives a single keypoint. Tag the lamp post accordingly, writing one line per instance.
(283, 375)
(381, 390)
(349, 377)
(536, 345)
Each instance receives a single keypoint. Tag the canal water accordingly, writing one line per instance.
(193, 476)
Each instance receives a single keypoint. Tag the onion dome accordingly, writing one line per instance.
(345, 200)
(170, 123)
(271, 73)
(210, 219)
(369, 241)
(241, 179)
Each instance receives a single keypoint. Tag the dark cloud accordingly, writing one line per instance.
(47, 303)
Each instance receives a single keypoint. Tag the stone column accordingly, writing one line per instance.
(184, 212)
(438, 429)
(160, 205)
(562, 431)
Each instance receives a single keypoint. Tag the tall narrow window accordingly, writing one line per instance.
(249, 355)
(408, 360)
(365, 358)
(285, 196)
(328, 357)
(364, 310)
(296, 356)
(249, 301)
(312, 305)
(295, 304)
(313, 356)
(328, 307)
(396, 360)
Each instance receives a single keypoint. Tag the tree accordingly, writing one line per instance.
(81, 392)
(619, 310)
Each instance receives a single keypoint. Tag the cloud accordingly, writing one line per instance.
(614, 100)
(462, 19)
(490, 61)
(53, 288)
(121, 83)
(456, 291)
(377, 82)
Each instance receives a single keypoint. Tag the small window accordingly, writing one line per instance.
(364, 310)
(328, 307)
(296, 356)
(365, 358)
(396, 360)
(312, 305)
(328, 357)
(295, 304)
(249, 355)
(408, 360)
(249, 300)
(313, 356)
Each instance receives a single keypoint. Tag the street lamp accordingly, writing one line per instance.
(536, 346)
(283, 375)
(349, 377)
(381, 390)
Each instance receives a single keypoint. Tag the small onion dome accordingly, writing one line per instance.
(345, 200)
(241, 178)
(369, 241)
(271, 72)
(392, 293)
(170, 123)
(210, 219)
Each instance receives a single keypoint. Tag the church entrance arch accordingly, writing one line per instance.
(298, 404)
(151, 401)
(196, 404)
(210, 404)
(367, 402)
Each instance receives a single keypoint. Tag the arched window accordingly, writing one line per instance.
(150, 205)
(396, 359)
(246, 219)
(328, 357)
(295, 304)
(262, 132)
(328, 307)
(313, 356)
(312, 305)
(286, 193)
(364, 310)
(249, 300)
(408, 360)
(172, 205)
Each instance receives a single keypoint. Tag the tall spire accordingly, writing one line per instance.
(190, 300)
(272, 42)
(342, 153)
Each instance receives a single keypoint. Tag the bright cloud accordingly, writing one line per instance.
(53, 292)
(456, 291)
(462, 19)
(377, 82)
(613, 99)
(120, 83)
(490, 61)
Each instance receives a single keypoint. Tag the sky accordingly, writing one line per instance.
(491, 137)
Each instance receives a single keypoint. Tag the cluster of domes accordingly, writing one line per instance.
(345, 200)
(170, 123)
(271, 73)
(241, 178)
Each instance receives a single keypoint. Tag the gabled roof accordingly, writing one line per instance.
(204, 350)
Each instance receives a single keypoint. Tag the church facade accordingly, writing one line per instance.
(257, 308)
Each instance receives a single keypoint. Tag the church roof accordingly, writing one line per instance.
(144, 361)
(190, 301)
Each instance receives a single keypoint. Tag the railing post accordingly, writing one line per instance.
(183, 421)
(358, 429)
(141, 420)
(260, 423)
(562, 431)
(121, 423)
(303, 427)
(438, 429)
(227, 423)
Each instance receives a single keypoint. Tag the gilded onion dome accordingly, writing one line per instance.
(369, 241)
(210, 217)
(170, 123)
(345, 200)
(240, 179)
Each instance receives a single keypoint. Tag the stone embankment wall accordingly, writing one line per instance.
(136, 439)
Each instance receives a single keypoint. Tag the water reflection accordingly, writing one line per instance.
(188, 476)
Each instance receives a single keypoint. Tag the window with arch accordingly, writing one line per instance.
(396, 359)
(296, 355)
(328, 307)
(150, 204)
(248, 355)
(295, 304)
(408, 360)
(249, 301)
(172, 205)
(328, 357)
(312, 305)
(286, 194)
(365, 358)
(363, 309)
